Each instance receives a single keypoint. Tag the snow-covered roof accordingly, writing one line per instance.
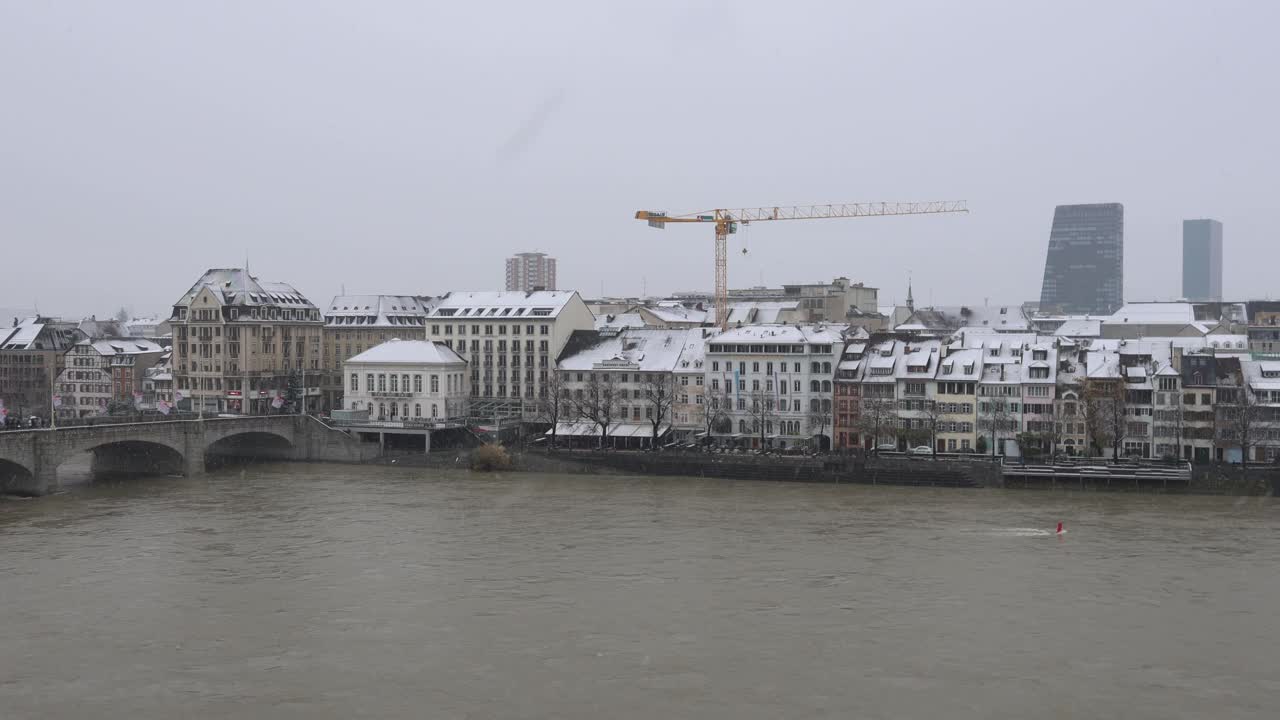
(694, 353)
(1135, 372)
(675, 312)
(126, 346)
(378, 310)
(849, 365)
(409, 352)
(1080, 327)
(757, 313)
(38, 333)
(997, 318)
(502, 305)
(1161, 313)
(645, 350)
(1001, 371)
(1102, 365)
(882, 361)
(961, 365)
(235, 286)
(783, 334)
(23, 334)
(918, 361)
(620, 320)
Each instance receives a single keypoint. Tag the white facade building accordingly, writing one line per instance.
(509, 339)
(689, 411)
(774, 381)
(84, 388)
(407, 381)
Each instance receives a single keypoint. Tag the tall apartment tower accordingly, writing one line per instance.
(1202, 260)
(531, 271)
(1084, 268)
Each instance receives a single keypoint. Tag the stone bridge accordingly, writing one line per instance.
(29, 459)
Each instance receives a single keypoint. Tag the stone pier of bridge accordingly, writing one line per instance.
(29, 459)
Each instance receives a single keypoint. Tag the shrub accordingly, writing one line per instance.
(490, 457)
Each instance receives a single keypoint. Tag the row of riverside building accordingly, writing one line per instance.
(818, 366)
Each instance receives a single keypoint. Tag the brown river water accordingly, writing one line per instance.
(330, 591)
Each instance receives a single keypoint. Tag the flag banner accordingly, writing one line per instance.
(277, 402)
(57, 401)
(137, 399)
(163, 407)
(179, 396)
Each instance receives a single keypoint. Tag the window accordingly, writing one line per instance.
(417, 383)
(435, 384)
(434, 411)
(755, 367)
(395, 385)
(417, 407)
(382, 382)
(355, 382)
(715, 366)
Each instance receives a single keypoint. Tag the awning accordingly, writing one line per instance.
(622, 430)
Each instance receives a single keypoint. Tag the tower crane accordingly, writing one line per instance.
(727, 220)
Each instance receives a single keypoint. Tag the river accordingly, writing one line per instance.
(330, 591)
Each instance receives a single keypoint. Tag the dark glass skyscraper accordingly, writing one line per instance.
(1084, 269)
(1202, 260)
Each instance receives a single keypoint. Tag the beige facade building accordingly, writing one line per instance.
(237, 340)
(355, 323)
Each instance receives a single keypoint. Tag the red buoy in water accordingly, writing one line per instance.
(1060, 530)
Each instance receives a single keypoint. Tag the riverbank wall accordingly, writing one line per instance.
(902, 471)
(822, 469)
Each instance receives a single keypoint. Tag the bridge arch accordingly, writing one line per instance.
(16, 478)
(249, 444)
(120, 456)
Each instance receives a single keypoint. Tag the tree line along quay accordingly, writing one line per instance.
(811, 367)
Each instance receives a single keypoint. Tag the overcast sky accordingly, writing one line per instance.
(409, 146)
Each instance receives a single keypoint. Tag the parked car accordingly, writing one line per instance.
(967, 450)
(887, 447)
(921, 450)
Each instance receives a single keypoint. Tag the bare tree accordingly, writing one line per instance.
(552, 404)
(877, 416)
(1243, 422)
(1106, 407)
(598, 403)
(122, 316)
(933, 415)
(715, 415)
(658, 390)
(995, 416)
(819, 417)
(762, 411)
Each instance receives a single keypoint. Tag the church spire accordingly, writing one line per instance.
(911, 303)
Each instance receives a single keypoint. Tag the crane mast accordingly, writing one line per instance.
(726, 222)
